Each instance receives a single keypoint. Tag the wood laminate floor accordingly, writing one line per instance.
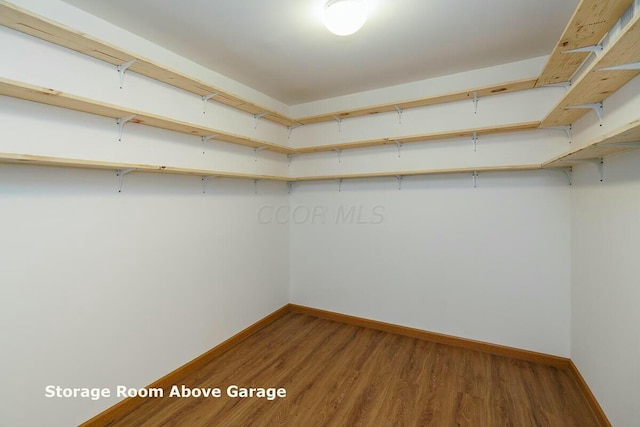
(342, 375)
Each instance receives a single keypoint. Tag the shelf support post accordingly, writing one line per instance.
(595, 106)
(257, 117)
(120, 173)
(206, 98)
(121, 122)
(475, 102)
(123, 69)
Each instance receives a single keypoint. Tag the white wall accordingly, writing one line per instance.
(605, 298)
(100, 288)
(488, 263)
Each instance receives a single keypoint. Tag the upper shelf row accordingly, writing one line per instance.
(593, 86)
(24, 21)
(29, 92)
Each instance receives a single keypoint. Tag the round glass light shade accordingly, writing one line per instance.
(345, 17)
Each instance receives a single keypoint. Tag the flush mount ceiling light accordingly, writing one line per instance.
(345, 17)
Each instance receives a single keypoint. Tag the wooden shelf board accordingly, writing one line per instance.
(478, 169)
(601, 147)
(60, 99)
(588, 25)
(423, 102)
(423, 137)
(595, 85)
(26, 159)
(26, 22)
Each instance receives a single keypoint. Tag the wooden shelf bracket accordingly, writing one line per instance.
(122, 69)
(595, 106)
(121, 122)
(120, 173)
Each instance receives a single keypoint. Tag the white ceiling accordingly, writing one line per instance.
(281, 48)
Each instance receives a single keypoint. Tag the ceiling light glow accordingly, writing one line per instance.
(345, 17)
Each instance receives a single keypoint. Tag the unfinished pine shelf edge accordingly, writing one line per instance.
(34, 160)
(590, 22)
(400, 106)
(26, 22)
(47, 96)
(474, 133)
(622, 139)
(599, 80)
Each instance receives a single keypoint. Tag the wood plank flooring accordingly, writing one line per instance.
(343, 375)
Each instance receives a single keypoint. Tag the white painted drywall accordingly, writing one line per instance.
(100, 289)
(488, 263)
(605, 285)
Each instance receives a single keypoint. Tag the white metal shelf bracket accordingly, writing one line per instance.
(255, 187)
(339, 153)
(475, 179)
(597, 49)
(599, 163)
(290, 158)
(206, 98)
(399, 178)
(290, 128)
(120, 173)
(204, 180)
(123, 69)
(475, 140)
(339, 121)
(398, 146)
(121, 122)
(565, 85)
(205, 139)
(290, 187)
(567, 129)
(399, 111)
(339, 180)
(568, 172)
(475, 102)
(257, 117)
(623, 67)
(257, 151)
(595, 106)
